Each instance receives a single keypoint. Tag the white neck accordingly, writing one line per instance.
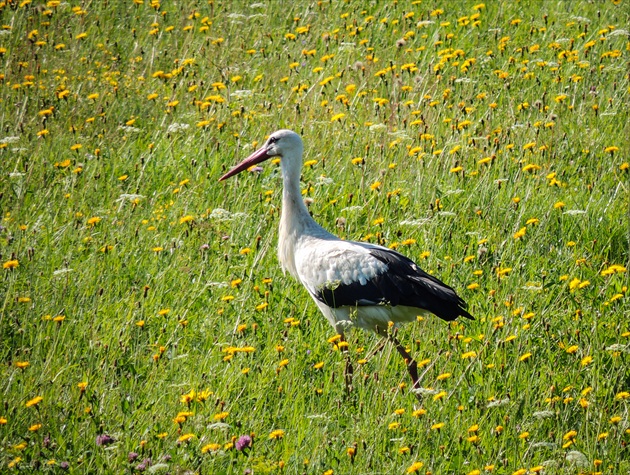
(295, 220)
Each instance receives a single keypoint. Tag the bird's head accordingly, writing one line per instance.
(285, 144)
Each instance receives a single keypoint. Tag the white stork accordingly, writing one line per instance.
(352, 283)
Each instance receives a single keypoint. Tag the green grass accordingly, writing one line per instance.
(492, 139)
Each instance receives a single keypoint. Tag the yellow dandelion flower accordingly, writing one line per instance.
(188, 397)
(221, 416)
(614, 269)
(529, 145)
(531, 167)
(439, 395)
(210, 448)
(276, 434)
(283, 363)
(203, 395)
(574, 283)
(185, 438)
(11, 264)
(415, 467)
(34, 402)
(569, 435)
(520, 233)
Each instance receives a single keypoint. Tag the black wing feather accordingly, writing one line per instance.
(404, 283)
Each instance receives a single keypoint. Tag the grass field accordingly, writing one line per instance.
(145, 324)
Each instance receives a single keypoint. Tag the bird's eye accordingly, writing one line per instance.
(273, 140)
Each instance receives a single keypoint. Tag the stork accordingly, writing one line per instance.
(354, 284)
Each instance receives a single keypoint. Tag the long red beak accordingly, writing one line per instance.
(258, 156)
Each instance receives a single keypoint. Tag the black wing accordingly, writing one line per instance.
(404, 283)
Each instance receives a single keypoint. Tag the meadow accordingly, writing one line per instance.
(145, 324)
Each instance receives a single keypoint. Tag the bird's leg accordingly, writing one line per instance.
(412, 366)
(349, 370)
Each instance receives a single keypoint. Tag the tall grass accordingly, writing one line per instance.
(144, 322)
